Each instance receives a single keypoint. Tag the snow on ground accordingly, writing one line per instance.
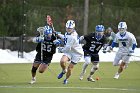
(7, 56)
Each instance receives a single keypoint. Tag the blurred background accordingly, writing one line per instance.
(19, 19)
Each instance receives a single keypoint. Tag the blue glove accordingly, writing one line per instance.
(38, 39)
(57, 42)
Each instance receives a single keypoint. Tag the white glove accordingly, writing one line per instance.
(109, 49)
(131, 51)
(60, 49)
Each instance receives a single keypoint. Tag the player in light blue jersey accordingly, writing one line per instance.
(127, 44)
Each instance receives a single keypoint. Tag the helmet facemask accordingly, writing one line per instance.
(70, 26)
(122, 27)
(99, 35)
(122, 31)
(99, 31)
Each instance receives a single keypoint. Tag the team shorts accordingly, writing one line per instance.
(74, 57)
(46, 59)
(121, 56)
(93, 57)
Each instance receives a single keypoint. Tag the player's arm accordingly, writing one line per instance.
(134, 43)
(114, 43)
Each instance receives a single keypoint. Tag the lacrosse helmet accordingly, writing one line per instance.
(99, 31)
(70, 24)
(48, 32)
(122, 27)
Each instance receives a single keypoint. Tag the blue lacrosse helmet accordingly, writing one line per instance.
(99, 29)
(48, 32)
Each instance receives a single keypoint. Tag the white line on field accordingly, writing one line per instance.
(90, 88)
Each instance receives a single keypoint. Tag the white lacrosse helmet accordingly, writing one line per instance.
(70, 24)
(122, 26)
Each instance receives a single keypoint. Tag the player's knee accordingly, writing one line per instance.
(41, 71)
(94, 68)
(34, 69)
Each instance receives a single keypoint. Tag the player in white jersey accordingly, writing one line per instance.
(127, 43)
(72, 50)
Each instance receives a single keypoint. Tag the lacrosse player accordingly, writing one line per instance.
(127, 43)
(94, 42)
(45, 50)
(110, 36)
(72, 50)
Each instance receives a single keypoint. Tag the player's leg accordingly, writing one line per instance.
(86, 63)
(93, 69)
(75, 58)
(124, 63)
(63, 61)
(33, 72)
(95, 63)
(43, 66)
(69, 71)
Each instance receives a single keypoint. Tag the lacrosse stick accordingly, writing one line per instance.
(41, 30)
(133, 55)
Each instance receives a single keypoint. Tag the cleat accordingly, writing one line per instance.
(116, 76)
(32, 81)
(65, 81)
(81, 78)
(82, 75)
(90, 79)
(60, 75)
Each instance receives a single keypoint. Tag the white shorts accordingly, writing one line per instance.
(74, 57)
(121, 56)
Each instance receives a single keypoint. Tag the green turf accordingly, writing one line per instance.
(14, 78)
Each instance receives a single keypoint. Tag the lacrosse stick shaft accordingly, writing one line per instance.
(41, 31)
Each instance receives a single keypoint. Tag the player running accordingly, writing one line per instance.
(94, 42)
(46, 52)
(127, 44)
(72, 50)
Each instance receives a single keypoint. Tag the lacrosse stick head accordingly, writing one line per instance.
(41, 30)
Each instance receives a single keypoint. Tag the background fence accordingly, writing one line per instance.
(19, 20)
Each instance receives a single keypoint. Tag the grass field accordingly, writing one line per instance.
(14, 78)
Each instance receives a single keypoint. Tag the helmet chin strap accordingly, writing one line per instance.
(122, 34)
(70, 32)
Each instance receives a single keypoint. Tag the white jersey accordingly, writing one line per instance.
(72, 44)
(125, 42)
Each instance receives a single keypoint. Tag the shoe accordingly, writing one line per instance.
(82, 75)
(90, 79)
(116, 76)
(32, 81)
(60, 75)
(65, 81)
